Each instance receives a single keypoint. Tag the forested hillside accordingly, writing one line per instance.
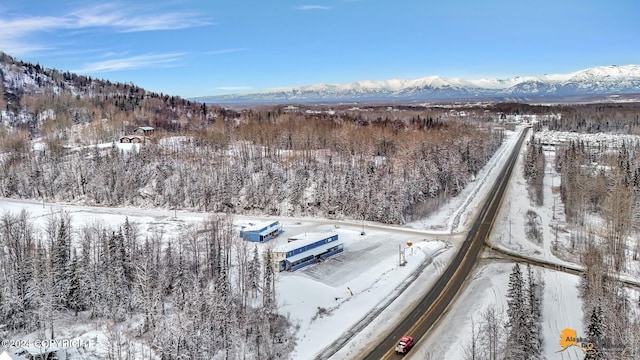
(44, 102)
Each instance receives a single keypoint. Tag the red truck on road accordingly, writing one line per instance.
(404, 345)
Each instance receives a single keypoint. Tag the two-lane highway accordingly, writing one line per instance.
(440, 296)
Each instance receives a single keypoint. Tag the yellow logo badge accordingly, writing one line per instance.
(569, 337)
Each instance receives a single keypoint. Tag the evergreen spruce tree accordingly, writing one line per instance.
(533, 316)
(517, 316)
(25, 288)
(595, 334)
(74, 295)
(60, 263)
(87, 277)
(180, 279)
(254, 273)
(170, 270)
(268, 294)
(268, 305)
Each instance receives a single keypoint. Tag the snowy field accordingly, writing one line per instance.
(328, 299)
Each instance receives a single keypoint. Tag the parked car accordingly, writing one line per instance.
(404, 345)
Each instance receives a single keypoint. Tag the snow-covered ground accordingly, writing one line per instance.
(509, 230)
(324, 300)
(562, 306)
(329, 299)
(488, 288)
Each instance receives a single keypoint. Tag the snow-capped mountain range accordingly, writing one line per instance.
(603, 80)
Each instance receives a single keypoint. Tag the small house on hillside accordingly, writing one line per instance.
(144, 130)
(139, 135)
(136, 139)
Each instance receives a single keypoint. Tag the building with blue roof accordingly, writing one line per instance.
(261, 232)
(306, 249)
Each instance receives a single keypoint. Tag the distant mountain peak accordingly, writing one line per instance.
(601, 80)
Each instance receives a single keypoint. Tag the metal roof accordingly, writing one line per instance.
(301, 240)
(261, 226)
(313, 252)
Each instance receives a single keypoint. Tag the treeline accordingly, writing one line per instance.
(191, 301)
(514, 108)
(384, 173)
(594, 118)
(534, 169)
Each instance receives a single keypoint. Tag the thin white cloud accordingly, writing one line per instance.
(125, 19)
(226, 51)
(313, 7)
(16, 48)
(131, 63)
(15, 33)
(28, 24)
(18, 34)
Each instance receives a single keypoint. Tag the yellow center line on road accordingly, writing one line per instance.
(432, 308)
(454, 278)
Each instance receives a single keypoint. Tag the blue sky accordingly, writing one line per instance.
(210, 47)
